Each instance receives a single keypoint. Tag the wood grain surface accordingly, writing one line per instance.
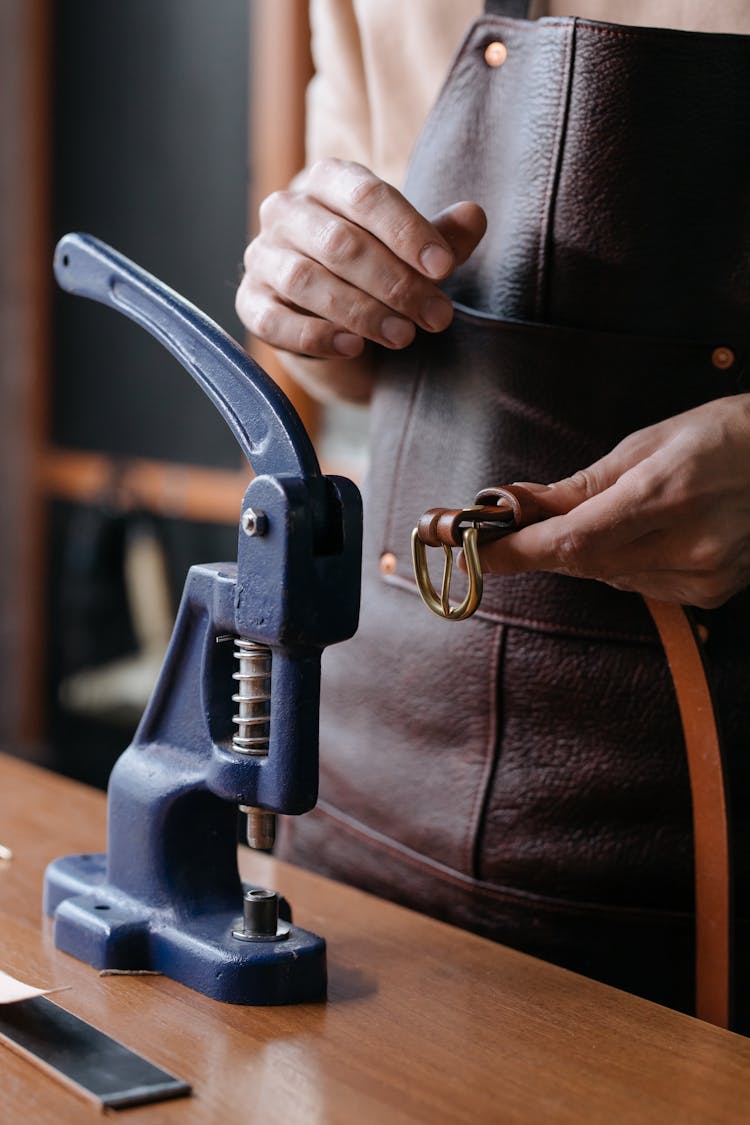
(424, 1023)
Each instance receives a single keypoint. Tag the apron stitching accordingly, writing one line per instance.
(697, 349)
(403, 441)
(482, 798)
(498, 891)
(553, 174)
(537, 624)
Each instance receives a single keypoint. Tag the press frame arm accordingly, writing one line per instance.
(260, 416)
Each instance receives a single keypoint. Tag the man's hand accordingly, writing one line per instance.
(666, 513)
(343, 258)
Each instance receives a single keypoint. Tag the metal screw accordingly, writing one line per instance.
(260, 917)
(253, 523)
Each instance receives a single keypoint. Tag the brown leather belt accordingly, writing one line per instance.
(499, 511)
(711, 844)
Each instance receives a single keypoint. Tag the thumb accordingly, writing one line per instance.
(564, 495)
(462, 225)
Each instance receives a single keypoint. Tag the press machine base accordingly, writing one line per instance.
(112, 931)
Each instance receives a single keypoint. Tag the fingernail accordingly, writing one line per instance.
(531, 486)
(346, 343)
(437, 314)
(436, 262)
(397, 332)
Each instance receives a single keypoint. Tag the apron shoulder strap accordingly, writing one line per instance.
(516, 9)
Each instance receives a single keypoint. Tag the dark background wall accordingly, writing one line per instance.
(149, 117)
(150, 154)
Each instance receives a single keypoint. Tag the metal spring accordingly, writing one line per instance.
(253, 696)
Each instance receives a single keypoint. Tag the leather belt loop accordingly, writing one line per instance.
(711, 839)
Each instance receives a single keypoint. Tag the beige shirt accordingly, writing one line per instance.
(380, 63)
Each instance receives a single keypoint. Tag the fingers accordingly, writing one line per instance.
(301, 229)
(704, 589)
(463, 226)
(665, 514)
(348, 253)
(293, 331)
(355, 193)
(582, 539)
(564, 495)
(677, 586)
(645, 565)
(303, 284)
(596, 515)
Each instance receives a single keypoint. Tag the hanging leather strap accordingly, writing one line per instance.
(499, 511)
(711, 840)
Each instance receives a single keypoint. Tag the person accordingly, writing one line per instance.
(343, 260)
(356, 283)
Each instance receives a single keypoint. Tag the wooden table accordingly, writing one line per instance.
(424, 1023)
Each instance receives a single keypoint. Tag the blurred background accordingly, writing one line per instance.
(156, 125)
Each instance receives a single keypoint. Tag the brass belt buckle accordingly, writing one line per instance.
(440, 603)
(466, 528)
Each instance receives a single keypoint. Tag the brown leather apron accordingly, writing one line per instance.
(523, 773)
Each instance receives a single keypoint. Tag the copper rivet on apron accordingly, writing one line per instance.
(387, 563)
(722, 358)
(495, 53)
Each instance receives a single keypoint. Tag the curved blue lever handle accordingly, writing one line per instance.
(257, 411)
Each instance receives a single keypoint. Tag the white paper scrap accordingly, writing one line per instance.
(12, 990)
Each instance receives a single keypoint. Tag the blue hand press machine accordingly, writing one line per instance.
(233, 719)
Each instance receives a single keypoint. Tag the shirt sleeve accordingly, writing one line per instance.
(379, 65)
(338, 110)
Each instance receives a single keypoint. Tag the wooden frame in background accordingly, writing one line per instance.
(36, 472)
